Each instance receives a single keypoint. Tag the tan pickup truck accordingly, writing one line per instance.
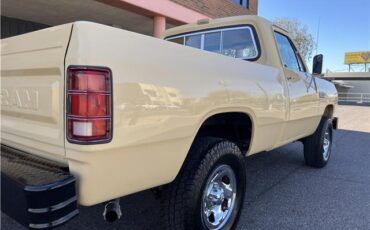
(91, 113)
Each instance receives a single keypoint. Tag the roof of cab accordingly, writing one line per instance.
(204, 24)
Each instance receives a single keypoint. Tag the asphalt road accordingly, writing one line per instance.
(282, 193)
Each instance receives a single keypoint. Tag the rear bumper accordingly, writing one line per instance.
(38, 193)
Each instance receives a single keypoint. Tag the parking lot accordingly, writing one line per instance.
(282, 193)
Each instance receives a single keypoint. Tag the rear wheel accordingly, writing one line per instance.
(208, 192)
(219, 196)
(317, 147)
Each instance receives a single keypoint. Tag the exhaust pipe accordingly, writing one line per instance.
(112, 211)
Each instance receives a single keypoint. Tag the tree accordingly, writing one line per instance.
(299, 33)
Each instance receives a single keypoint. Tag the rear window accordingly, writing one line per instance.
(212, 42)
(178, 40)
(194, 41)
(237, 42)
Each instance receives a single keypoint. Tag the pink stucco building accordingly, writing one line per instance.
(150, 17)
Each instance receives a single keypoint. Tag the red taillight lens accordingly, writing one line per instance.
(89, 105)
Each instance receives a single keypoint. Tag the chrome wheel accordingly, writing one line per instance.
(218, 200)
(326, 145)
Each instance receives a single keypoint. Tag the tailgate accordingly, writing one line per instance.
(32, 91)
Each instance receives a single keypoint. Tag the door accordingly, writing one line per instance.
(303, 102)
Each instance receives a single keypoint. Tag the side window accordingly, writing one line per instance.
(194, 41)
(288, 53)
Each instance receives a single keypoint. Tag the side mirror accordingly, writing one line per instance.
(317, 64)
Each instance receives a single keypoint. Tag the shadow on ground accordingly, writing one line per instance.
(282, 193)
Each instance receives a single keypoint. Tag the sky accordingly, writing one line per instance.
(344, 25)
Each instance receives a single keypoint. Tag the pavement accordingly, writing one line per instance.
(355, 118)
(282, 193)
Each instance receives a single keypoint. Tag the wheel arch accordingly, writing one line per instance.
(221, 124)
(329, 111)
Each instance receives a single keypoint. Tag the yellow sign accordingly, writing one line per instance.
(357, 57)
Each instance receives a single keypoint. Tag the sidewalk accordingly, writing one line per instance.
(356, 118)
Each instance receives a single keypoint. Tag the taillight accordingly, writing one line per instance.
(89, 105)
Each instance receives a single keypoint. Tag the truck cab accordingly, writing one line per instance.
(255, 39)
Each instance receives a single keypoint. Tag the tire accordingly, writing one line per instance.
(184, 200)
(317, 147)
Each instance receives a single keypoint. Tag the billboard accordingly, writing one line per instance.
(357, 57)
